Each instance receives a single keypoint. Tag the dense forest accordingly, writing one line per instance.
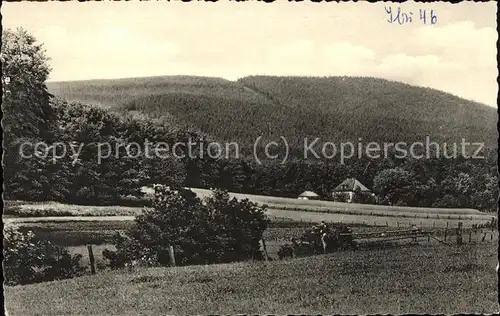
(178, 109)
(334, 108)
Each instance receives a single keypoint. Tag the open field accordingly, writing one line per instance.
(52, 215)
(283, 215)
(413, 279)
(315, 205)
(275, 215)
(49, 208)
(374, 219)
(394, 216)
(278, 209)
(32, 209)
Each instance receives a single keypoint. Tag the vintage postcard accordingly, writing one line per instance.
(249, 157)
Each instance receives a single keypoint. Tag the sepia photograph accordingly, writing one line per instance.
(249, 157)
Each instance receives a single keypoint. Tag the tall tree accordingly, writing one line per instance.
(27, 115)
(393, 185)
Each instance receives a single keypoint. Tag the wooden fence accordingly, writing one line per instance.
(398, 223)
(448, 236)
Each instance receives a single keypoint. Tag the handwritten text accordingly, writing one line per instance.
(398, 16)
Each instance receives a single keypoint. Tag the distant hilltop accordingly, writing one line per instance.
(332, 108)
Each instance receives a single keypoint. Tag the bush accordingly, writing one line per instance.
(341, 197)
(28, 259)
(364, 198)
(216, 230)
(285, 251)
(301, 250)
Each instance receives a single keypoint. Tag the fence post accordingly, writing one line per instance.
(398, 224)
(172, 255)
(459, 233)
(428, 237)
(484, 237)
(91, 258)
(445, 233)
(265, 249)
(446, 224)
(491, 236)
(386, 224)
(470, 236)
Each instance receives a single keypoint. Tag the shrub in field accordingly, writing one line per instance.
(301, 250)
(215, 230)
(341, 197)
(28, 259)
(285, 251)
(364, 198)
(393, 185)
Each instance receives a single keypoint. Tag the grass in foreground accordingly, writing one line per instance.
(436, 279)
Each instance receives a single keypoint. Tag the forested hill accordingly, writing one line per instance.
(332, 108)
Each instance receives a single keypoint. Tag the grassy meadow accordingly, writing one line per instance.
(287, 209)
(375, 219)
(282, 202)
(50, 208)
(412, 279)
(117, 213)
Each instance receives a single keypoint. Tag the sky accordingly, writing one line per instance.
(100, 40)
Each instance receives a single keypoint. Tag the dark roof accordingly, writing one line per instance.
(351, 184)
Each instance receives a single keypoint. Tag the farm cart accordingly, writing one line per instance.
(318, 240)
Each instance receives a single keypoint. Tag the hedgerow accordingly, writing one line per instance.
(28, 259)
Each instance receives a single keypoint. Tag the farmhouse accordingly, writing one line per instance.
(308, 195)
(350, 190)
